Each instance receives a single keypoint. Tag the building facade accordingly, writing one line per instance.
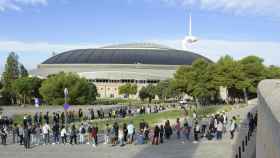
(113, 66)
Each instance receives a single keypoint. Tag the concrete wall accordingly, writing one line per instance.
(268, 132)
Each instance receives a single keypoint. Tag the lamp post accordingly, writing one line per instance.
(65, 104)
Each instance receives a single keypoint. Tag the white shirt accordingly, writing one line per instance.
(46, 129)
(220, 127)
(232, 126)
(63, 132)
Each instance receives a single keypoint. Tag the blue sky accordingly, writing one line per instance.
(36, 28)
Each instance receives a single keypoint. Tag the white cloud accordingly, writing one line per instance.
(40, 47)
(214, 49)
(18, 4)
(260, 7)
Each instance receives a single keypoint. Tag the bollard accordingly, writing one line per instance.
(246, 140)
(243, 146)
(239, 151)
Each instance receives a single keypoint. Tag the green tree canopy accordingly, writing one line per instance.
(26, 88)
(273, 72)
(80, 91)
(147, 92)
(166, 89)
(128, 89)
(10, 74)
(254, 71)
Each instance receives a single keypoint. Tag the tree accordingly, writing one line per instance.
(273, 72)
(26, 88)
(80, 91)
(166, 89)
(23, 71)
(147, 92)
(10, 74)
(197, 81)
(229, 74)
(128, 89)
(254, 71)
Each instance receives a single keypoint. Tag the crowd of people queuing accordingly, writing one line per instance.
(42, 130)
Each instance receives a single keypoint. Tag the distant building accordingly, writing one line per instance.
(112, 66)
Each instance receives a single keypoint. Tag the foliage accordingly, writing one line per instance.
(128, 89)
(22, 70)
(273, 72)
(80, 91)
(26, 88)
(197, 80)
(166, 89)
(10, 74)
(147, 92)
(254, 71)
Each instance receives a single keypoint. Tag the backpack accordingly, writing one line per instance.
(83, 131)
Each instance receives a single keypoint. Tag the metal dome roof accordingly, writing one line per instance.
(126, 54)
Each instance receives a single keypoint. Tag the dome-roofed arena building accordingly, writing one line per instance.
(112, 66)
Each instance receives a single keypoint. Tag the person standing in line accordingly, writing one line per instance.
(167, 130)
(186, 129)
(116, 133)
(178, 129)
(125, 132)
(89, 131)
(3, 134)
(156, 135)
(107, 134)
(232, 127)
(73, 135)
(15, 133)
(63, 135)
(37, 135)
(20, 134)
(27, 136)
(161, 133)
(196, 132)
(121, 137)
(94, 136)
(56, 133)
(130, 132)
(82, 131)
(220, 128)
(46, 133)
